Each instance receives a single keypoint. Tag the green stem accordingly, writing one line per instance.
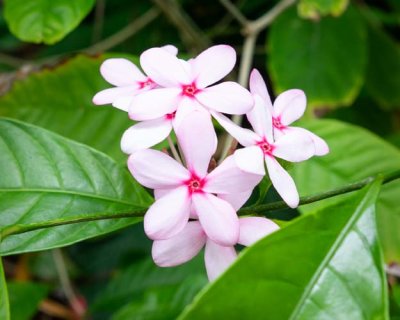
(257, 209)
(260, 209)
(22, 228)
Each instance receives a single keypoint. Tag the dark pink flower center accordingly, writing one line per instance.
(189, 90)
(147, 83)
(266, 147)
(276, 122)
(195, 184)
(170, 116)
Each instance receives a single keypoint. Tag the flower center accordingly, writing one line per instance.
(195, 184)
(276, 122)
(266, 147)
(148, 83)
(189, 90)
(170, 116)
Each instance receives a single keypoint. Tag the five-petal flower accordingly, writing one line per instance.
(192, 189)
(185, 85)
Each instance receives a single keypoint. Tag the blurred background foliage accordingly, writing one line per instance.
(344, 54)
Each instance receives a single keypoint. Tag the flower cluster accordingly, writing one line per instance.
(195, 202)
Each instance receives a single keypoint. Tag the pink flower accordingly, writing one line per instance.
(287, 108)
(146, 134)
(127, 79)
(185, 85)
(187, 244)
(260, 147)
(191, 190)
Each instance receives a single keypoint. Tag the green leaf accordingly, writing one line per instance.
(324, 58)
(316, 8)
(4, 303)
(355, 154)
(135, 280)
(60, 100)
(45, 21)
(45, 177)
(164, 302)
(25, 298)
(383, 73)
(325, 265)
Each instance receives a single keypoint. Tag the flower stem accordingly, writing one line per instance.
(175, 152)
(257, 209)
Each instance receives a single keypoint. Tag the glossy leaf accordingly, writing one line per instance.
(355, 154)
(383, 74)
(25, 298)
(314, 9)
(60, 100)
(45, 21)
(134, 281)
(325, 265)
(46, 177)
(325, 58)
(163, 302)
(4, 303)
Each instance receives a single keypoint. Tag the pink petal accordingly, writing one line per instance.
(154, 104)
(321, 147)
(121, 72)
(156, 170)
(158, 193)
(282, 182)
(164, 68)
(145, 134)
(110, 95)
(213, 64)
(186, 106)
(253, 229)
(237, 200)
(218, 259)
(170, 49)
(198, 141)
(258, 87)
(229, 178)
(217, 217)
(227, 97)
(244, 136)
(290, 106)
(168, 215)
(294, 146)
(123, 102)
(180, 248)
(250, 159)
(260, 118)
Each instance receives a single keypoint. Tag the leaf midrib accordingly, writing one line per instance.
(69, 192)
(325, 262)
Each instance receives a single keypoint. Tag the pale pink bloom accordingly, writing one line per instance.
(191, 189)
(260, 147)
(146, 134)
(287, 108)
(127, 79)
(187, 244)
(185, 85)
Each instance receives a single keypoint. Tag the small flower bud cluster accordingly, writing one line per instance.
(195, 207)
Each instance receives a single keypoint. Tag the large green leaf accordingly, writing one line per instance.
(325, 265)
(60, 100)
(134, 281)
(25, 298)
(46, 177)
(4, 304)
(45, 21)
(164, 302)
(355, 154)
(383, 73)
(325, 58)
